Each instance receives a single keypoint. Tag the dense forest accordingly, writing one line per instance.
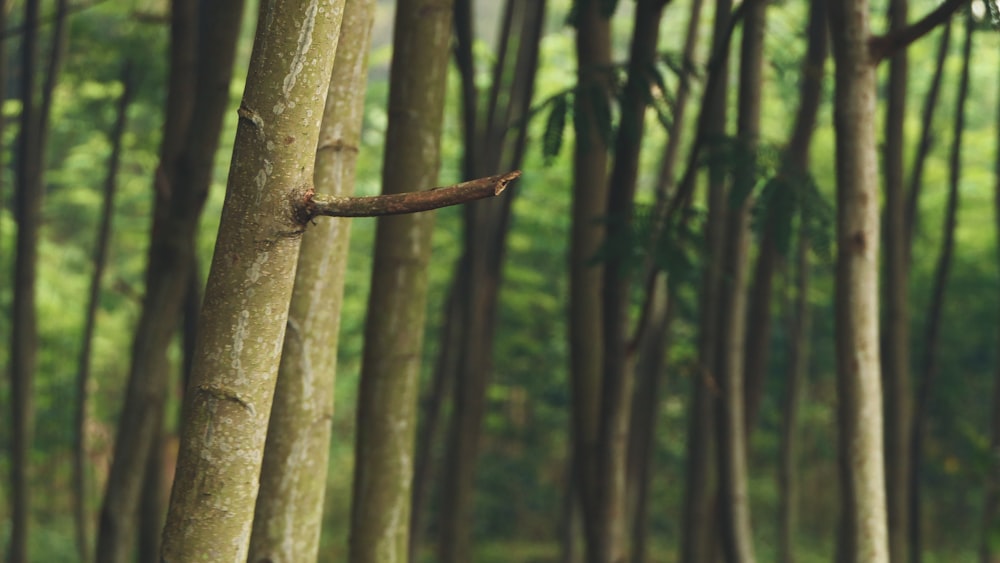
(524, 280)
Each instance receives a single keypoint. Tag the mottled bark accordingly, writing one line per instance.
(288, 515)
(24, 322)
(859, 380)
(81, 514)
(932, 334)
(395, 325)
(242, 323)
(590, 170)
(198, 92)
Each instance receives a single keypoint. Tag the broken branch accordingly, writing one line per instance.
(409, 202)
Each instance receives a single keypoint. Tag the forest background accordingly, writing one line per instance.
(521, 480)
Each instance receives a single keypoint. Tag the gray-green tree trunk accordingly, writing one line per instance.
(24, 322)
(590, 170)
(932, 334)
(198, 92)
(859, 379)
(395, 326)
(288, 516)
(242, 325)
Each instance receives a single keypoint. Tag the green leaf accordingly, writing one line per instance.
(555, 126)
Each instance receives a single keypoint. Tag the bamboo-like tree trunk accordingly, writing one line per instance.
(395, 325)
(288, 516)
(590, 170)
(81, 514)
(936, 310)
(24, 322)
(198, 92)
(797, 165)
(242, 324)
(859, 379)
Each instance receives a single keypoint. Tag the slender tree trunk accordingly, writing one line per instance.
(80, 511)
(859, 380)
(926, 139)
(198, 93)
(24, 323)
(734, 502)
(797, 165)
(619, 354)
(936, 310)
(590, 170)
(243, 320)
(486, 226)
(698, 522)
(288, 517)
(394, 329)
(896, 355)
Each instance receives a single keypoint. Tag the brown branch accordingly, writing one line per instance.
(883, 46)
(409, 202)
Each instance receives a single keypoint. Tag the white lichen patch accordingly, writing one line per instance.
(299, 59)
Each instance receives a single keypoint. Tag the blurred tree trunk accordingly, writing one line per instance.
(796, 168)
(616, 387)
(395, 326)
(859, 380)
(242, 324)
(198, 92)
(590, 188)
(698, 517)
(935, 309)
(288, 517)
(24, 323)
(496, 144)
(926, 140)
(896, 331)
(989, 544)
(81, 514)
(734, 501)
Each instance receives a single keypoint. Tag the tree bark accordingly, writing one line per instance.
(590, 189)
(936, 311)
(394, 328)
(198, 92)
(242, 324)
(859, 380)
(288, 516)
(81, 514)
(24, 322)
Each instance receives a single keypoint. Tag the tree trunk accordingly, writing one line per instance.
(797, 165)
(611, 466)
(288, 517)
(896, 355)
(489, 149)
(698, 522)
(590, 170)
(859, 380)
(936, 311)
(734, 502)
(24, 323)
(198, 93)
(242, 324)
(81, 515)
(394, 329)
